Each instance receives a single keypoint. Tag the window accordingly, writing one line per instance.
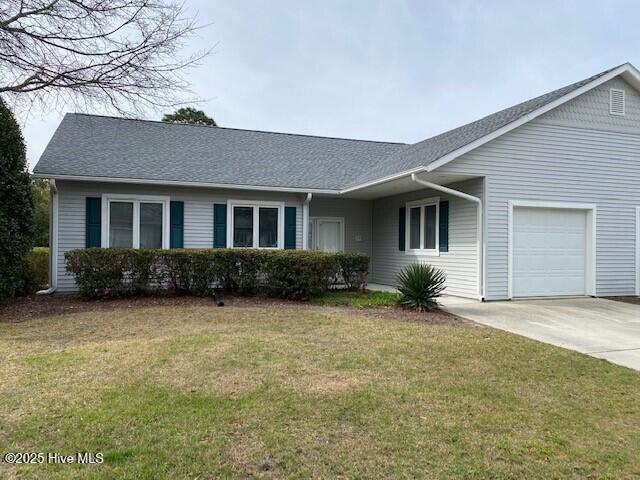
(121, 224)
(255, 225)
(430, 227)
(422, 221)
(242, 226)
(268, 227)
(135, 222)
(414, 222)
(150, 225)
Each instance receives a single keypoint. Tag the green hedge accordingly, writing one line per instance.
(292, 274)
(36, 270)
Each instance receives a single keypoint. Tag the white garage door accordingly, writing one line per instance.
(549, 252)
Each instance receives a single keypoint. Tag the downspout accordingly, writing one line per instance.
(305, 221)
(53, 241)
(480, 229)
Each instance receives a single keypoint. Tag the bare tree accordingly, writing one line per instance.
(122, 53)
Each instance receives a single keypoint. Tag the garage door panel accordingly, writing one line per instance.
(538, 264)
(549, 252)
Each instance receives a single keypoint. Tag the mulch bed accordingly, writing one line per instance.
(36, 306)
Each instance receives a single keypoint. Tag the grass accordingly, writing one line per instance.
(358, 299)
(203, 392)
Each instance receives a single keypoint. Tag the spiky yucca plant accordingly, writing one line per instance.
(420, 285)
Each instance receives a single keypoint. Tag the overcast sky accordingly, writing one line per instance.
(388, 70)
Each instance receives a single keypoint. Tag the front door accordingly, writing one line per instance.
(327, 234)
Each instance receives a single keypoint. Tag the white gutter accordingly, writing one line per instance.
(53, 241)
(175, 183)
(305, 221)
(480, 226)
(386, 179)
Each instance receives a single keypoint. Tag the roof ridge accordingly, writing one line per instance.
(233, 128)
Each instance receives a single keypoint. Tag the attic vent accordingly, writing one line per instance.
(616, 102)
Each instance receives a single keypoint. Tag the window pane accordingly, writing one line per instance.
(243, 226)
(121, 224)
(430, 227)
(414, 225)
(150, 225)
(268, 234)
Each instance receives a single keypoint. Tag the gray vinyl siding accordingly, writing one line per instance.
(460, 263)
(357, 219)
(591, 110)
(198, 214)
(563, 157)
(298, 225)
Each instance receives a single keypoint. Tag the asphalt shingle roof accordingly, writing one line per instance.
(97, 146)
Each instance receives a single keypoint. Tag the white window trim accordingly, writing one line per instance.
(255, 204)
(107, 198)
(435, 252)
(314, 221)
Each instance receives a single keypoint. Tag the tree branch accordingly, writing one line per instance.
(116, 52)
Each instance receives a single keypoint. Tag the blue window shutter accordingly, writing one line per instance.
(219, 225)
(93, 219)
(444, 226)
(176, 225)
(290, 228)
(402, 219)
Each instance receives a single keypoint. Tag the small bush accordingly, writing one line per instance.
(112, 272)
(354, 268)
(36, 270)
(299, 275)
(291, 274)
(420, 285)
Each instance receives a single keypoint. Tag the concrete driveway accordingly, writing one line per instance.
(600, 328)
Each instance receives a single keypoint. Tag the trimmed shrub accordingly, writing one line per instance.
(299, 275)
(36, 270)
(112, 272)
(280, 273)
(354, 267)
(420, 285)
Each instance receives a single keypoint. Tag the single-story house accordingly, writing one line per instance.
(539, 199)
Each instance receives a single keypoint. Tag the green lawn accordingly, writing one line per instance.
(358, 299)
(205, 392)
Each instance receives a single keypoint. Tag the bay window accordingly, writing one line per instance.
(255, 224)
(422, 221)
(135, 221)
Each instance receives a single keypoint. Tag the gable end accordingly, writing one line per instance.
(613, 106)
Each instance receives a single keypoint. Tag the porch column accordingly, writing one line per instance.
(305, 222)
